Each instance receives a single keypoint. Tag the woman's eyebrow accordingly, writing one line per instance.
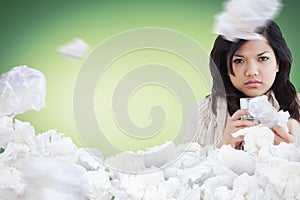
(263, 53)
(237, 55)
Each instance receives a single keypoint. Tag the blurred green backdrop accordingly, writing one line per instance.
(32, 30)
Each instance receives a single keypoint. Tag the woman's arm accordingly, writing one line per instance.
(197, 124)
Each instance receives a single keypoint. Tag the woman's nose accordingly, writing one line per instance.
(251, 69)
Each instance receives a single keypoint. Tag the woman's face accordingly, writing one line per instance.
(254, 65)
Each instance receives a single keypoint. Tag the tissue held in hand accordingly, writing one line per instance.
(262, 110)
(21, 89)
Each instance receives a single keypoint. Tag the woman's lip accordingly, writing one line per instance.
(253, 83)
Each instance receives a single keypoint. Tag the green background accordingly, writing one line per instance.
(32, 30)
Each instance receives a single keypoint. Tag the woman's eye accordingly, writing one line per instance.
(263, 58)
(238, 60)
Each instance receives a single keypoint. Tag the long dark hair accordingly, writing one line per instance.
(220, 67)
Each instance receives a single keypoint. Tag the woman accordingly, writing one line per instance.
(246, 68)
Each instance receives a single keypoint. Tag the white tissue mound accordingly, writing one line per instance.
(77, 48)
(21, 89)
(241, 18)
(50, 166)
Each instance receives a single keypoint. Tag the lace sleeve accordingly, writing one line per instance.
(197, 125)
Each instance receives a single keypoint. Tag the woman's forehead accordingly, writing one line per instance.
(254, 47)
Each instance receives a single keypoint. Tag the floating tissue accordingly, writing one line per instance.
(21, 89)
(77, 48)
(246, 21)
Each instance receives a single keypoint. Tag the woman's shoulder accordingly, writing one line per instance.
(205, 100)
(201, 108)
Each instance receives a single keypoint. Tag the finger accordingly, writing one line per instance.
(282, 135)
(290, 127)
(244, 123)
(237, 141)
(279, 130)
(240, 138)
(276, 140)
(235, 126)
(237, 115)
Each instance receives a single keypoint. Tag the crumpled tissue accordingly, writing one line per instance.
(241, 18)
(262, 111)
(21, 89)
(74, 49)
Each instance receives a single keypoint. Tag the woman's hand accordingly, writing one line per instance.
(282, 135)
(235, 123)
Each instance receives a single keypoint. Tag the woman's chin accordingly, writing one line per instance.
(254, 93)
